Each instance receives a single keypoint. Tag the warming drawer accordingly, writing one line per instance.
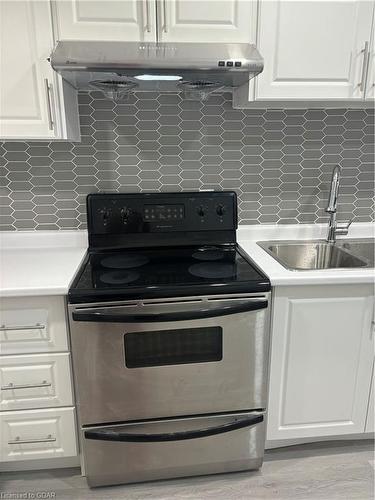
(173, 448)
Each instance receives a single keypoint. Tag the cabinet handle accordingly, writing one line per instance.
(18, 440)
(11, 386)
(148, 22)
(47, 87)
(38, 326)
(365, 64)
(165, 19)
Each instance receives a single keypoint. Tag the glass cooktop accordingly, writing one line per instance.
(162, 272)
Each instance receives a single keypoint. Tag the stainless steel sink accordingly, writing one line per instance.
(310, 255)
(362, 248)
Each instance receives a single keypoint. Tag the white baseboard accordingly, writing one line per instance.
(281, 443)
(46, 463)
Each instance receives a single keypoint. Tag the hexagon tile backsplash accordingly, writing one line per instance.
(278, 161)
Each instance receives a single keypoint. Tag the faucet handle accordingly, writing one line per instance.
(343, 227)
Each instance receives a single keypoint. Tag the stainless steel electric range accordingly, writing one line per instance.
(169, 325)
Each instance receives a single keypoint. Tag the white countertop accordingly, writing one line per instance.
(39, 262)
(248, 236)
(45, 262)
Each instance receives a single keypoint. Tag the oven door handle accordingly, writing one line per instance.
(110, 317)
(112, 435)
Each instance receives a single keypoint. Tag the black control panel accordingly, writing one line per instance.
(161, 218)
(163, 213)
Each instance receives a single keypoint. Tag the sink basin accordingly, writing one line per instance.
(309, 255)
(364, 249)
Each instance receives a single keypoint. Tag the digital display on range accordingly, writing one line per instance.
(157, 213)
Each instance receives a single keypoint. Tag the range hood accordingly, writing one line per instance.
(118, 68)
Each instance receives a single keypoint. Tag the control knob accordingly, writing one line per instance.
(105, 214)
(200, 211)
(125, 214)
(220, 210)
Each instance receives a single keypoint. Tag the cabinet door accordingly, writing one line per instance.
(35, 434)
(370, 87)
(33, 98)
(313, 50)
(207, 20)
(321, 361)
(129, 20)
(370, 422)
(36, 381)
(32, 324)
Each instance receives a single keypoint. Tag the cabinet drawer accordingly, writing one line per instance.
(35, 381)
(36, 434)
(32, 324)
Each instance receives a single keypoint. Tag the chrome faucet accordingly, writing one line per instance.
(334, 227)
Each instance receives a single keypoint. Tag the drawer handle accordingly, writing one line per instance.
(49, 104)
(114, 435)
(11, 386)
(148, 22)
(366, 60)
(38, 326)
(18, 440)
(165, 18)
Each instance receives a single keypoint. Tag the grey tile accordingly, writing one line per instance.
(103, 115)
(315, 114)
(99, 103)
(232, 125)
(24, 224)
(169, 99)
(170, 150)
(39, 161)
(277, 160)
(21, 195)
(18, 176)
(15, 146)
(20, 186)
(61, 155)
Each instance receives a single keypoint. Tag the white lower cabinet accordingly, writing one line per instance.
(37, 434)
(37, 414)
(321, 361)
(370, 422)
(32, 324)
(35, 381)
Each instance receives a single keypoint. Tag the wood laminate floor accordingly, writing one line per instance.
(324, 471)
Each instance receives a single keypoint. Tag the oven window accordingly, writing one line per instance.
(173, 347)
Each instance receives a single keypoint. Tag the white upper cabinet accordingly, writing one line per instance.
(129, 20)
(156, 20)
(227, 21)
(33, 99)
(370, 422)
(313, 50)
(321, 361)
(370, 68)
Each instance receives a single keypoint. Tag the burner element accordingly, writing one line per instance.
(124, 261)
(119, 277)
(213, 270)
(208, 254)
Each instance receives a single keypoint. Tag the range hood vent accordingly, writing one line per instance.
(117, 90)
(117, 68)
(198, 89)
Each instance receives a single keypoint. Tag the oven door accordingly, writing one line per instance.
(164, 358)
